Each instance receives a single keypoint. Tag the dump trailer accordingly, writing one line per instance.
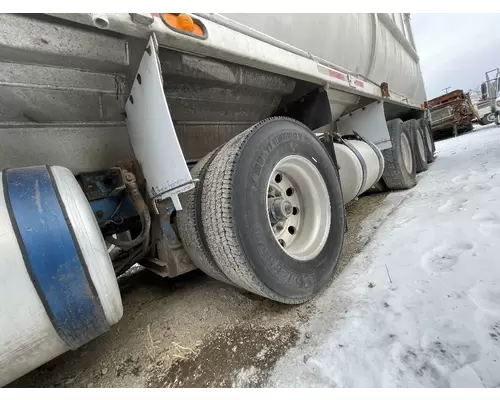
(452, 113)
(230, 144)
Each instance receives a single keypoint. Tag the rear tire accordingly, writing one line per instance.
(190, 226)
(418, 144)
(488, 119)
(236, 211)
(429, 140)
(400, 171)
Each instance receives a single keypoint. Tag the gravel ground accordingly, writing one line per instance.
(193, 331)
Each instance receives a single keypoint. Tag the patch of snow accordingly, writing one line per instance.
(247, 377)
(481, 127)
(385, 208)
(432, 317)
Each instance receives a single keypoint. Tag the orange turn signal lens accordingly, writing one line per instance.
(183, 22)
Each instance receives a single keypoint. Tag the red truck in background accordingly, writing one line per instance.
(451, 114)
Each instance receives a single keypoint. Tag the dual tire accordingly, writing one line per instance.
(430, 147)
(418, 144)
(411, 152)
(267, 213)
(400, 165)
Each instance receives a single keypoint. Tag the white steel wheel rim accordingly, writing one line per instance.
(420, 144)
(298, 206)
(490, 117)
(406, 152)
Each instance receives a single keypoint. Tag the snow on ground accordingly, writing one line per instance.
(420, 305)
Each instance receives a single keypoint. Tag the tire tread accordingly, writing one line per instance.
(190, 225)
(393, 175)
(420, 159)
(218, 220)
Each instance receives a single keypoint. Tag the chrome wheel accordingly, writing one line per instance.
(406, 152)
(298, 207)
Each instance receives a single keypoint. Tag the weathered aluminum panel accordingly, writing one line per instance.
(79, 147)
(212, 101)
(360, 43)
(46, 41)
(55, 71)
(62, 90)
(328, 36)
(57, 76)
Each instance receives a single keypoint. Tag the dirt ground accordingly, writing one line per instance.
(193, 331)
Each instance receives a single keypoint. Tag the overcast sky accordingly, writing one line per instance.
(456, 49)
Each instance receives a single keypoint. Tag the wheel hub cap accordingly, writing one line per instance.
(280, 209)
(298, 207)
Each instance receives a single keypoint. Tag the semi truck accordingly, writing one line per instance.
(227, 143)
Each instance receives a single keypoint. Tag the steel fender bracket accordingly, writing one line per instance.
(152, 133)
(369, 121)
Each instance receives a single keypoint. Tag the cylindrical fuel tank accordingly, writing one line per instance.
(377, 46)
(360, 167)
(57, 285)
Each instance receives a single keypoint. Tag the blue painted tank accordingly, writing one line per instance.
(57, 285)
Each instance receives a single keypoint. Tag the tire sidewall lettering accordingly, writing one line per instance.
(284, 275)
(267, 150)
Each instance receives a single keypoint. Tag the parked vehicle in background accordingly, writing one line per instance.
(451, 114)
(189, 141)
(482, 106)
(493, 90)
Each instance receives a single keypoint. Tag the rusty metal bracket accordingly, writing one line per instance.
(384, 88)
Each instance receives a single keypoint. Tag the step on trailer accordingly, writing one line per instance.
(225, 143)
